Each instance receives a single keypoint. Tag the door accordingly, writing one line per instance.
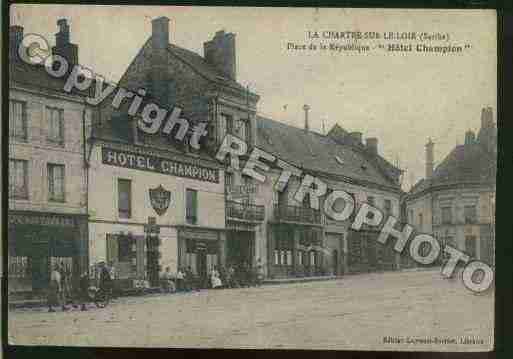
(152, 260)
(201, 265)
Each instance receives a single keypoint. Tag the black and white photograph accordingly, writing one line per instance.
(251, 177)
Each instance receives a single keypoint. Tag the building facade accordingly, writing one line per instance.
(456, 200)
(251, 222)
(47, 218)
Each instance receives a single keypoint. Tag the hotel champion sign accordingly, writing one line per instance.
(159, 165)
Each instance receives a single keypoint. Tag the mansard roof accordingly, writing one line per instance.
(470, 163)
(315, 152)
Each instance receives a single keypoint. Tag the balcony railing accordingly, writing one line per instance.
(297, 214)
(244, 211)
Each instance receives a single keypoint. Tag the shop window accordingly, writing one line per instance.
(191, 209)
(56, 181)
(18, 120)
(19, 267)
(18, 179)
(124, 249)
(55, 123)
(276, 257)
(470, 214)
(289, 257)
(446, 215)
(300, 258)
(124, 198)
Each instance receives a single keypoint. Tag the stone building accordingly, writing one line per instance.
(456, 200)
(239, 220)
(47, 218)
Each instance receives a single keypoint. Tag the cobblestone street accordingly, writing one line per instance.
(353, 313)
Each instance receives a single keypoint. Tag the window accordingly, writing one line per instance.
(421, 220)
(371, 200)
(228, 120)
(18, 179)
(248, 131)
(124, 249)
(388, 207)
(55, 119)
(191, 209)
(470, 246)
(446, 215)
(56, 182)
(124, 198)
(18, 120)
(229, 180)
(470, 214)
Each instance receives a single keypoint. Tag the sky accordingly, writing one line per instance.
(402, 98)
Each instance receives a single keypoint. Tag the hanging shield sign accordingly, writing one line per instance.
(160, 199)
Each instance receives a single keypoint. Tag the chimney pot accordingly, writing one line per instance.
(306, 108)
(470, 137)
(63, 46)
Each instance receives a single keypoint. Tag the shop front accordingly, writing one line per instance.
(366, 254)
(297, 251)
(37, 242)
(199, 250)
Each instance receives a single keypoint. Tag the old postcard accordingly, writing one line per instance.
(235, 177)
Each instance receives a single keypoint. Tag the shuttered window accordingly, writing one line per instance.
(18, 120)
(18, 179)
(56, 182)
(124, 198)
(191, 206)
(55, 120)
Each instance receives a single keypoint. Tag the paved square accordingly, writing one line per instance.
(356, 312)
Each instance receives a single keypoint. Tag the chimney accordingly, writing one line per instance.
(470, 137)
(15, 39)
(63, 46)
(159, 60)
(486, 118)
(430, 159)
(220, 52)
(372, 145)
(306, 108)
(356, 138)
(160, 33)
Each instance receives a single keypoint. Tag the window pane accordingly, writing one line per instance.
(18, 179)
(55, 125)
(191, 206)
(124, 198)
(17, 120)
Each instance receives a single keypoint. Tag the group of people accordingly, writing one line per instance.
(234, 276)
(62, 292)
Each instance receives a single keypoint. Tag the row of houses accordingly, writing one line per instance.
(87, 185)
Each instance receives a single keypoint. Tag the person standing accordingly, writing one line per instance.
(214, 277)
(105, 284)
(54, 290)
(83, 290)
(167, 281)
(180, 277)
